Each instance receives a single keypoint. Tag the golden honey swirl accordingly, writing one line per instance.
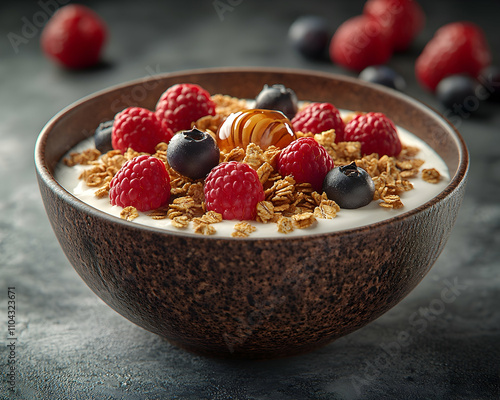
(262, 127)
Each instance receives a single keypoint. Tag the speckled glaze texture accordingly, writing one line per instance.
(249, 297)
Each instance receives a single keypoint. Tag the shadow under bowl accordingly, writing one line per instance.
(254, 298)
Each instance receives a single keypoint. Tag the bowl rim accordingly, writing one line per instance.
(49, 179)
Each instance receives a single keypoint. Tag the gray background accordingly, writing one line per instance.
(72, 346)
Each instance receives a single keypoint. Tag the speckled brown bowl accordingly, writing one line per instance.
(251, 298)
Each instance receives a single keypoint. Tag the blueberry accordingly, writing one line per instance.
(490, 79)
(310, 36)
(455, 91)
(102, 137)
(383, 75)
(278, 97)
(349, 186)
(193, 153)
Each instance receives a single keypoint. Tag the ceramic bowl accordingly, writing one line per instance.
(254, 298)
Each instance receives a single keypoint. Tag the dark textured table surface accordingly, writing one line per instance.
(70, 345)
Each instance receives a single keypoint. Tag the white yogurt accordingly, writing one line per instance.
(345, 219)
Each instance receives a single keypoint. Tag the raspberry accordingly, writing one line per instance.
(319, 117)
(142, 182)
(139, 129)
(376, 133)
(456, 48)
(402, 19)
(307, 161)
(74, 37)
(233, 189)
(359, 43)
(182, 104)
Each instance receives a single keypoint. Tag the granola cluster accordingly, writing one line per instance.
(288, 204)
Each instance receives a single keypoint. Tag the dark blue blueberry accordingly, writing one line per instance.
(310, 35)
(193, 153)
(102, 137)
(383, 75)
(490, 80)
(458, 92)
(349, 186)
(278, 97)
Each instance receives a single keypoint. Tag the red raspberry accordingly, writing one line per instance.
(319, 117)
(376, 132)
(307, 161)
(359, 43)
(233, 189)
(142, 182)
(456, 48)
(74, 37)
(182, 104)
(139, 129)
(403, 19)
